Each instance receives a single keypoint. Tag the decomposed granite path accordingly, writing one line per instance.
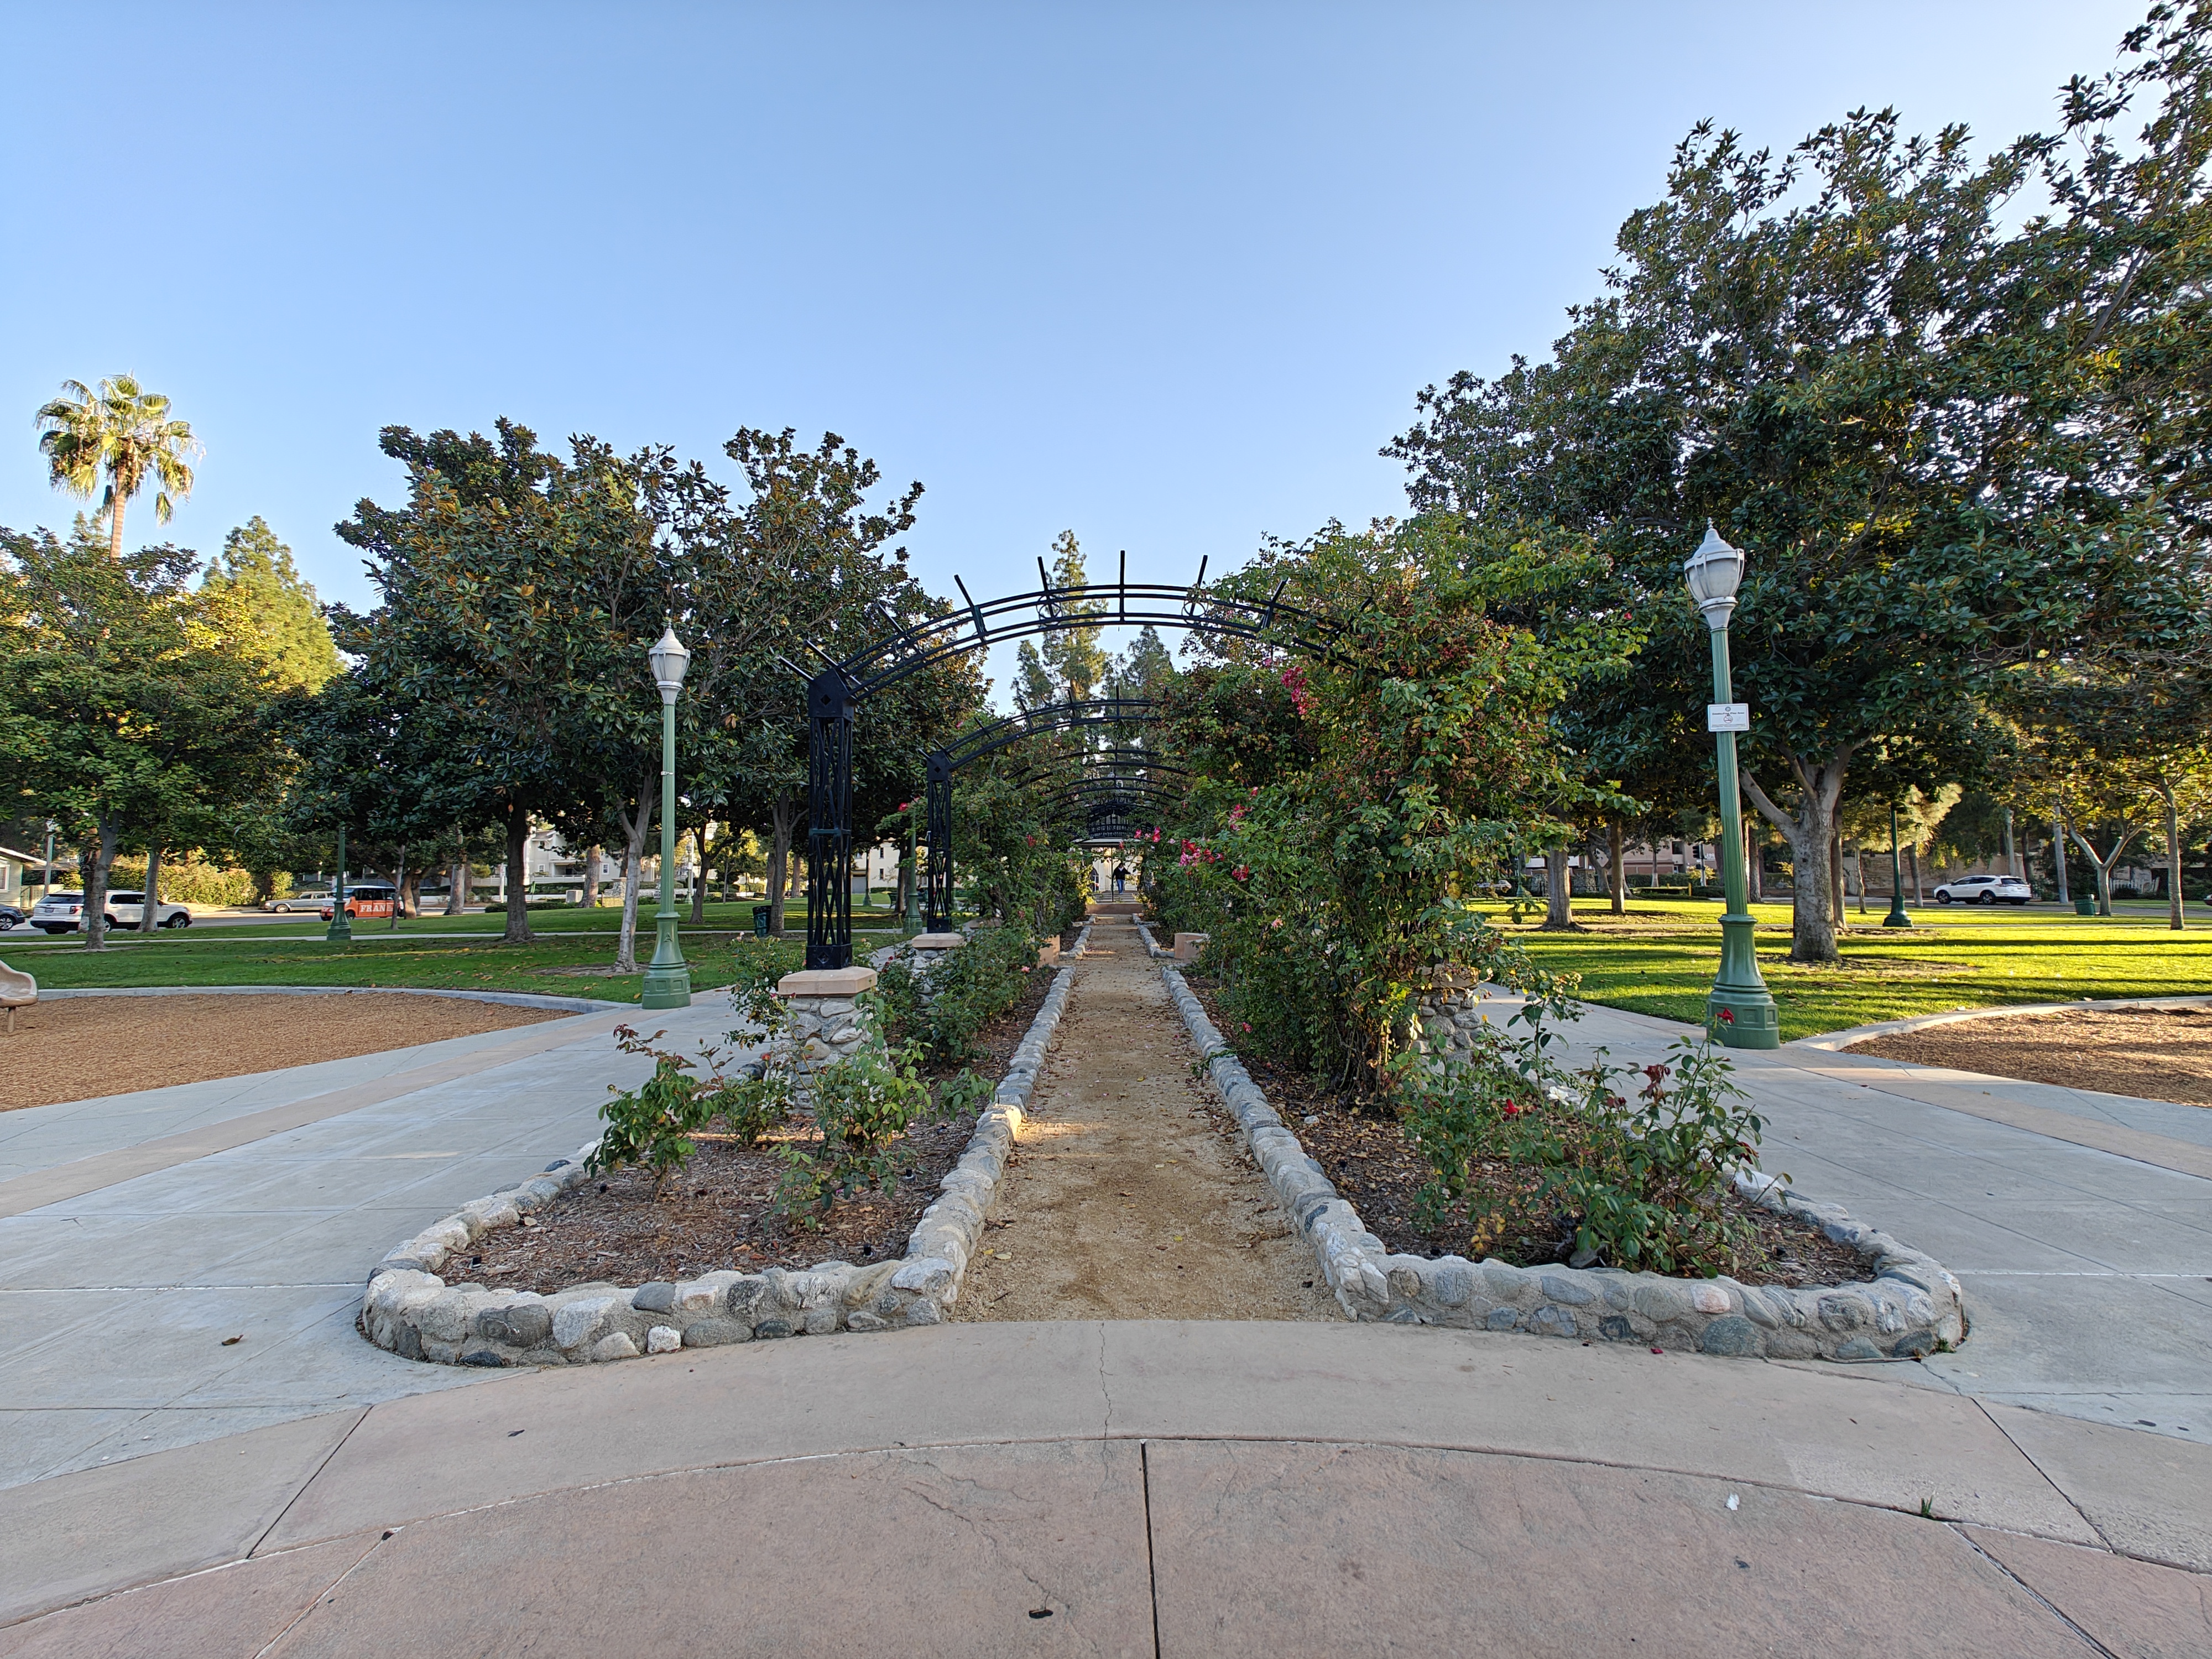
(1128, 1197)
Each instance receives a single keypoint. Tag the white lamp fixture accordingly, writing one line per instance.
(669, 659)
(1714, 573)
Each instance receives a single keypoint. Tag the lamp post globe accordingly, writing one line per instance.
(668, 976)
(1739, 1011)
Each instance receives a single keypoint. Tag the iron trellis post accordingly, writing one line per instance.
(940, 842)
(829, 827)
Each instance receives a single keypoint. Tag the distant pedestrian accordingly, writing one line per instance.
(1120, 877)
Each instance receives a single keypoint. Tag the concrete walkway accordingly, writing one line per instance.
(2087, 1260)
(1204, 1489)
(1210, 1487)
(141, 1232)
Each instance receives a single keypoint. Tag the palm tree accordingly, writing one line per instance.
(124, 432)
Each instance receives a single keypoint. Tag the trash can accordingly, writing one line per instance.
(760, 921)
(2085, 906)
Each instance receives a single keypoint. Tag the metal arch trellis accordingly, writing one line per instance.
(937, 892)
(833, 694)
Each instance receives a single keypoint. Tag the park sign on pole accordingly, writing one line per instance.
(1728, 717)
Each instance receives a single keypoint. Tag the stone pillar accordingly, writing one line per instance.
(826, 1024)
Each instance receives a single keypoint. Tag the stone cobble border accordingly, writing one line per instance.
(409, 1310)
(1911, 1307)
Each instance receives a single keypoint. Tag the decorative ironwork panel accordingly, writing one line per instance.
(829, 826)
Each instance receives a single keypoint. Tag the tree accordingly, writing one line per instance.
(253, 592)
(519, 592)
(121, 432)
(1930, 419)
(125, 719)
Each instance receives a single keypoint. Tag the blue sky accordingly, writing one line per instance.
(1167, 275)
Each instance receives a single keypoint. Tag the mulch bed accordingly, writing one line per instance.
(715, 1213)
(1365, 1154)
(2155, 1053)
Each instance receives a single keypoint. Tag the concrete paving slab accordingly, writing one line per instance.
(802, 1397)
(1538, 1396)
(2149, 1495)
(2138, 1611)
(231, 1612)
(2029, 1337)
(1272, 1549)
(1033, 1550)
(157, 1516)
(54, 1440)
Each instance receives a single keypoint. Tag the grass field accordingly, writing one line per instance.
(1661, 957)
(462, 953)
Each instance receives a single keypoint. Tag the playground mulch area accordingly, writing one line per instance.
(82, 1048)
(2152, 1054)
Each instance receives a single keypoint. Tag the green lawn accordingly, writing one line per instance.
(434, 952)
(1661, 957)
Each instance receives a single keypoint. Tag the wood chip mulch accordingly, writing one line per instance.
(1365, 1154)
(2154, 1054)
(715, 1213)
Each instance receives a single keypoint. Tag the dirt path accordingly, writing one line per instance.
(2159, 1053)
(1128, 1197)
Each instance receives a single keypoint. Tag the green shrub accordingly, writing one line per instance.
(969, 989)
(862, 1104)
(1521, 1150)
(656, 1124)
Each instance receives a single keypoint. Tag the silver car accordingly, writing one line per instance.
(1985, 889)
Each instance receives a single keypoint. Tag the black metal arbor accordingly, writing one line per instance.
(837, 692)
(937, 893)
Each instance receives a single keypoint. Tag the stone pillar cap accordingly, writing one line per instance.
(937, 941)
(826, 982)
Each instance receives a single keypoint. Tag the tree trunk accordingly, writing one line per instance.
(150, 912)
(1809, 830)
(2104, 866)
(1912, 858)
(2173, 858)
(635, 826)
(1858, 870)
(1755, 855)
(592, 877)
(1836, 875)
(410, 895)
(114, 521)
(2058, 852)
(458, 880)
(1616, 873)
(398, 890)
(699, 875)
(1558, 897)
(783, 821)
(518, 875)
(93, 862)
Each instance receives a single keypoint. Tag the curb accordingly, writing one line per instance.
(408, 1309)
(1835, 1041)
(1912, 1305)
(513, 999)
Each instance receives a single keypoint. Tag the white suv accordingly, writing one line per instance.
(1985, 889)
(63, 913)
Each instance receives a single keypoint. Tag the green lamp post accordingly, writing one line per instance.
(1739, 1010)
(667, 978)
(1896, 918)
(913, 867)
(341, 927)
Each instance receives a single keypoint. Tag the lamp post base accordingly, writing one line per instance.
(1740, 1011)
(1897, 918)
(339, 932)
(668, 976)
(666, 987)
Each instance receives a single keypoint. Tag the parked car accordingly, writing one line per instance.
(57, 913)
(286, 906)
(1985, 889)
(11, 916)
(371, 899)
(125, 911)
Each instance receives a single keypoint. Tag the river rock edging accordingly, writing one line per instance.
(409, 1310)
(1912, 1306)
